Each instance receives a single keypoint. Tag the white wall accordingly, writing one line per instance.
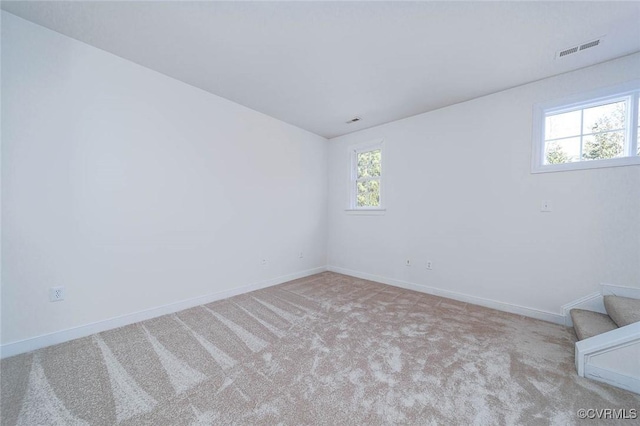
(460, 194)
(134, 190)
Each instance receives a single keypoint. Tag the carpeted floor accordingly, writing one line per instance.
(326, 349)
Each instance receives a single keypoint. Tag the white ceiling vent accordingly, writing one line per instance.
(579, 48)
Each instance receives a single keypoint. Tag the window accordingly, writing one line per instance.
(366, 177)
(599, 129)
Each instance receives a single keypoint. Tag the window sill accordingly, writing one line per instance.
(366, 212)
(585, 165)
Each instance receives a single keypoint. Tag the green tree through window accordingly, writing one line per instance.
(556, 155)
(606, 143)
(369, 174)
(594, 133)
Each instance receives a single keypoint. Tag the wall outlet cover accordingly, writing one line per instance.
(56, 294)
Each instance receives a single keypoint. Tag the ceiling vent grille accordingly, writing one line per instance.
(579, 48)
(568, 52)
(590, 44)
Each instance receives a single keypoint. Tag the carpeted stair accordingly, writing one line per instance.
(621, 311)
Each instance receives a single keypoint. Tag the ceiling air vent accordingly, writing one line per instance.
(579, 48)
(593, 43)
(354, 120)
(568, 52)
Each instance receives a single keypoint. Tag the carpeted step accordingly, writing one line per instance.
(588, 323)
(622, 310)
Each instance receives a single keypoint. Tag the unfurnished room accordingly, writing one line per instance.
(320, 213)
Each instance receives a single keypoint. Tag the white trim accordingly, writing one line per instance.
(593, 95)
(633, 143)
(619, 290)
(591, 101)
(586, 165)
(627, 90)
(612, 378)
(475, 300)
(27, 345)
(366, 212)
(595, 301)
(605, 342)
(591, 302)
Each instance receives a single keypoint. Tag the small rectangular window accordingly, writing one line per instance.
(592, 130)
(366, 177)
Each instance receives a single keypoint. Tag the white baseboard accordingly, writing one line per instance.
(27, 345)
(613, 378)
(595, 301)
(619, 290)
(591, 302)
(489, 303)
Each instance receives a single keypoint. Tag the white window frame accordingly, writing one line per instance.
(354, 150)
(629, 90)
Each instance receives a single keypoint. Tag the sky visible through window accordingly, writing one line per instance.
(593, 133)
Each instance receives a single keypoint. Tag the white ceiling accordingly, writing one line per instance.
(318, 64)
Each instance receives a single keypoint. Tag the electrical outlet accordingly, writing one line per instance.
(56, 294)
(429, 265)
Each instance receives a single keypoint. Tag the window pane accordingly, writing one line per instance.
(604, 117)
(368, 193)
(369, 164)
(603, 145)
(562, 125)
(562, 151)
(362, 196)
(363, 160)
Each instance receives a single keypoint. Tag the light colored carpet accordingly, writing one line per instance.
(327, 349)
(589, 323)
(622, 310)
